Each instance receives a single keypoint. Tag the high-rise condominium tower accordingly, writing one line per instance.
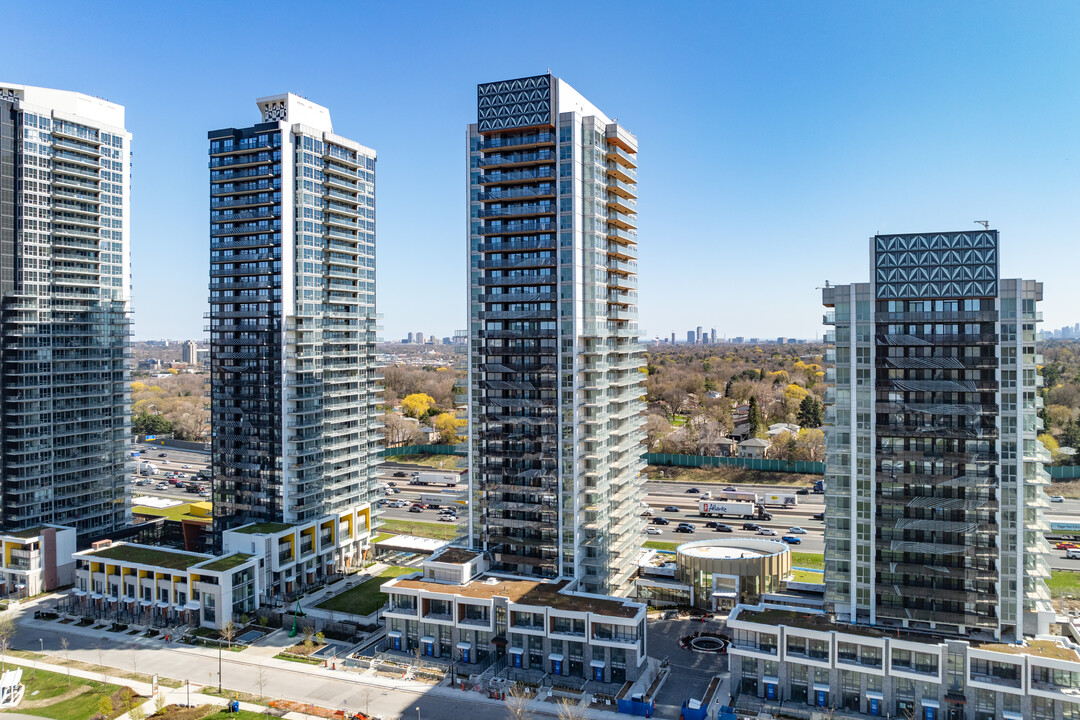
(934, 477)
(292, 317)
(65, 317)
(555, 390)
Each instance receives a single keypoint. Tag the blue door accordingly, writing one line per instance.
(429, 649)
(517, 659)
(397, 643)
(598, 673)
(822, 698)
(556, 667)
(464, 655)
(770, 691)
(874, 708)
(929, 713)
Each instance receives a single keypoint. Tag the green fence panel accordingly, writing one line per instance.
(424, 450)
(1064, 472)
(763, 464)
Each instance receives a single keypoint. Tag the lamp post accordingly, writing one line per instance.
(42, 641)
(417, 712)
(219, 666)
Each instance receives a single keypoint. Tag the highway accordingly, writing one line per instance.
(660, 494)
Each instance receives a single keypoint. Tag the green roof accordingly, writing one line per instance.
(268, 528)
(176, 512)
(142, 555)
(226, 563)
(28, 533)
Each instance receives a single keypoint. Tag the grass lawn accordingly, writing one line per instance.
(81, 707)
(382, 536)
(1064, 582)
(810, 561)
(242, 715)
(1065, 488)
(365, 598)
(806, 576)
(439, 531)
(661, 545)
(441, 462)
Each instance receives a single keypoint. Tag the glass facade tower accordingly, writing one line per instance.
(555, 382)
(934, 477)
(292, 317)
(65, 316)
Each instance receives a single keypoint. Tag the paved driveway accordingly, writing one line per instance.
(690, 671)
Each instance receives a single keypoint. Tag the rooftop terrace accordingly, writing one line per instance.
(266, 528)
(226, 563)
(143, 555)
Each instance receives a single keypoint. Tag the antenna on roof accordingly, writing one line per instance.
(826, 286)
(984, 223)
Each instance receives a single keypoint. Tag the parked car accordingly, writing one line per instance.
(692, 491)
(671, 508)
(802, 491)
(796, 530)
(766, 531)
(1056, 498)
(684, 529)
(401, 473)
(721, 527)
(650, 530)
(818, 516)
(660, 521)
(416, 509)
(753, 527)
(791, 540)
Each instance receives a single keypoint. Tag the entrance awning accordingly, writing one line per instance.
(498, 640)
(1010, 715)
(80, 593)
(725, 593)
(394, 634)
(95, 596)
(145, 603)
(770, 680)
(464, 646)
(516, 651)
(873, 695)
(427, 639)
(597, 664)
(821, 687)
(555, 656)
(927, 702)
(162, 604)
(191, 606)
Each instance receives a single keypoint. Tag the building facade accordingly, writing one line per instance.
(292, 317)
(189, 352)
(261, 563)
(934, 477)
(787, 659)
(555, 411)
(454, 609)
(65, 316)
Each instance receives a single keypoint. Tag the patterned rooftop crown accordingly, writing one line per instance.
(514, 103)
(937, 265)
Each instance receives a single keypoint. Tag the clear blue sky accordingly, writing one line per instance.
(775, 137)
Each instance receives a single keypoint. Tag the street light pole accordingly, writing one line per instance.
(219, 666)
(417, 712)
(42, 641)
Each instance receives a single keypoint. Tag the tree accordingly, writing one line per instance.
(810, 445)
(228, 632)
(147, 424)
(64, 646)
(517, 702)
(1070, 435)
(754, 418)
(7, 632)
(446, 425)
(811, 414)
(105, 706)
(569, 710)
(309, 639)
(397, 430)
(260, 680)
(417, 405)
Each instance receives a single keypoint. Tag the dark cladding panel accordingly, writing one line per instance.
(525, 102)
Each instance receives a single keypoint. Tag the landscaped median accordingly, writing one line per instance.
(365, 598)
(60, 697)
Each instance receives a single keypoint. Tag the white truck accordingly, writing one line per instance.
(779, 500)
(723, 508)
(435, 478)
(148, 468)
(738, 496)
(454, 500)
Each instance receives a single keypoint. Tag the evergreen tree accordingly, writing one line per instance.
(811, 414)
(757, 423)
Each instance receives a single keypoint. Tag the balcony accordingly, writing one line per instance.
(518, 228)
(621, 172)
(617, 154)
(522, 142)
(518, 210)
(515, 159)
(518, 176)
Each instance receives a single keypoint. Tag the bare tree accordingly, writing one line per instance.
(64, 647)
(568, 710)
(260, 680)
(517, 702)
(7, 632)
(228, 632)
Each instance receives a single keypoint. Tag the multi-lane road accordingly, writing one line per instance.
(659, 494)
